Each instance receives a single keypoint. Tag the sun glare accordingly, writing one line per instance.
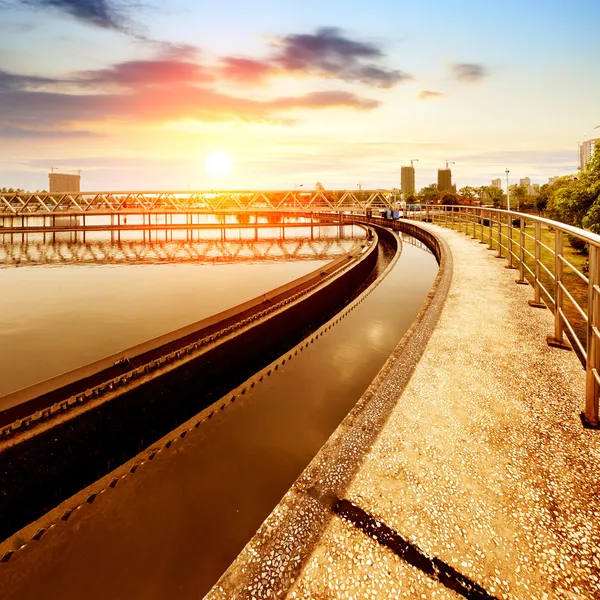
(218, 163)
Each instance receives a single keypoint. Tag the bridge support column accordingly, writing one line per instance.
(590, 415)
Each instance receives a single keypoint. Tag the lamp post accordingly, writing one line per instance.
(507, 191)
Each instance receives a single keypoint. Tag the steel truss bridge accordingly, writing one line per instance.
(39, 252)
(235, 201)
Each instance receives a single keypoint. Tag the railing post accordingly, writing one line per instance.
(427, 213)
(590, 415)
(537, 300)
(522, 280)
(557, 341)
(510, 264)
(474, 221)
(481, 220)
(499, 254)
(490, 230)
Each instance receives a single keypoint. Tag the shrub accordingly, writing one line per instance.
(578, 244)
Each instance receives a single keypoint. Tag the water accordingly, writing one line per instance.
(66, 302)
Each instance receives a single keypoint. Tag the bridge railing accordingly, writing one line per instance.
(564, 274)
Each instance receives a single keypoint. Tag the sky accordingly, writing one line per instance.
(137, 94)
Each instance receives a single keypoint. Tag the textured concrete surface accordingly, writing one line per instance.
(483, 463)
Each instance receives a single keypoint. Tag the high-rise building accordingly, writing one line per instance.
(444, 180)
(63, 182)
(407, 180)
(551, 180)
(497, 183)
(586, 151)
(526, 182)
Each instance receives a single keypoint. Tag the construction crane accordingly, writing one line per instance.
(413, 160)
(449, 162)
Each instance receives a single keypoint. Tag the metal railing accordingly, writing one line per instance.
(564, 277)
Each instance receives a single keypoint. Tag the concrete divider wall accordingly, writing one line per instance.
(44, 469)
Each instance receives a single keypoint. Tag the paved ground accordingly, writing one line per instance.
(483, 463)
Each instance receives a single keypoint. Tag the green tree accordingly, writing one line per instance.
(448, 199)
(467, 192)
(575, 199)
(429, 193)
(492, 194)
(518, 194)
(541, 200)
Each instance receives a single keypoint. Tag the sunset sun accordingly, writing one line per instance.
(218, 163)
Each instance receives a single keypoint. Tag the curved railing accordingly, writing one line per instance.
(565, 277)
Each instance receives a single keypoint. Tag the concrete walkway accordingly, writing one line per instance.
(482, 465)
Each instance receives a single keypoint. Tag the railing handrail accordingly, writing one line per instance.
(588, 236)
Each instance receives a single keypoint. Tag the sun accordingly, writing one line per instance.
(218, 163)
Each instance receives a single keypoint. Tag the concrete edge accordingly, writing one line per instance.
(272, 560)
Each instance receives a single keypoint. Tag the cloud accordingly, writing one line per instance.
(9, 132)
(14, 81)
(468, 72)
(99, 13)
(135, 74)
(170, 87)
(559, 160)
(428, 95)
(175, 86)
(326, 100)
(246, 70)
(33, 110)
(328, 53)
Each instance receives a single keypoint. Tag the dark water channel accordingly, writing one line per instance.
(175, 526)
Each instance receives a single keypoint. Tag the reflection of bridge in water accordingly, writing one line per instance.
(39, 252)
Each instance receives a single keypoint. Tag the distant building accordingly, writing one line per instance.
(551, 180)
(407, 180)
(497, 183)
(526, 182)
(444, 180)
(63, 182)
(586, 151)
